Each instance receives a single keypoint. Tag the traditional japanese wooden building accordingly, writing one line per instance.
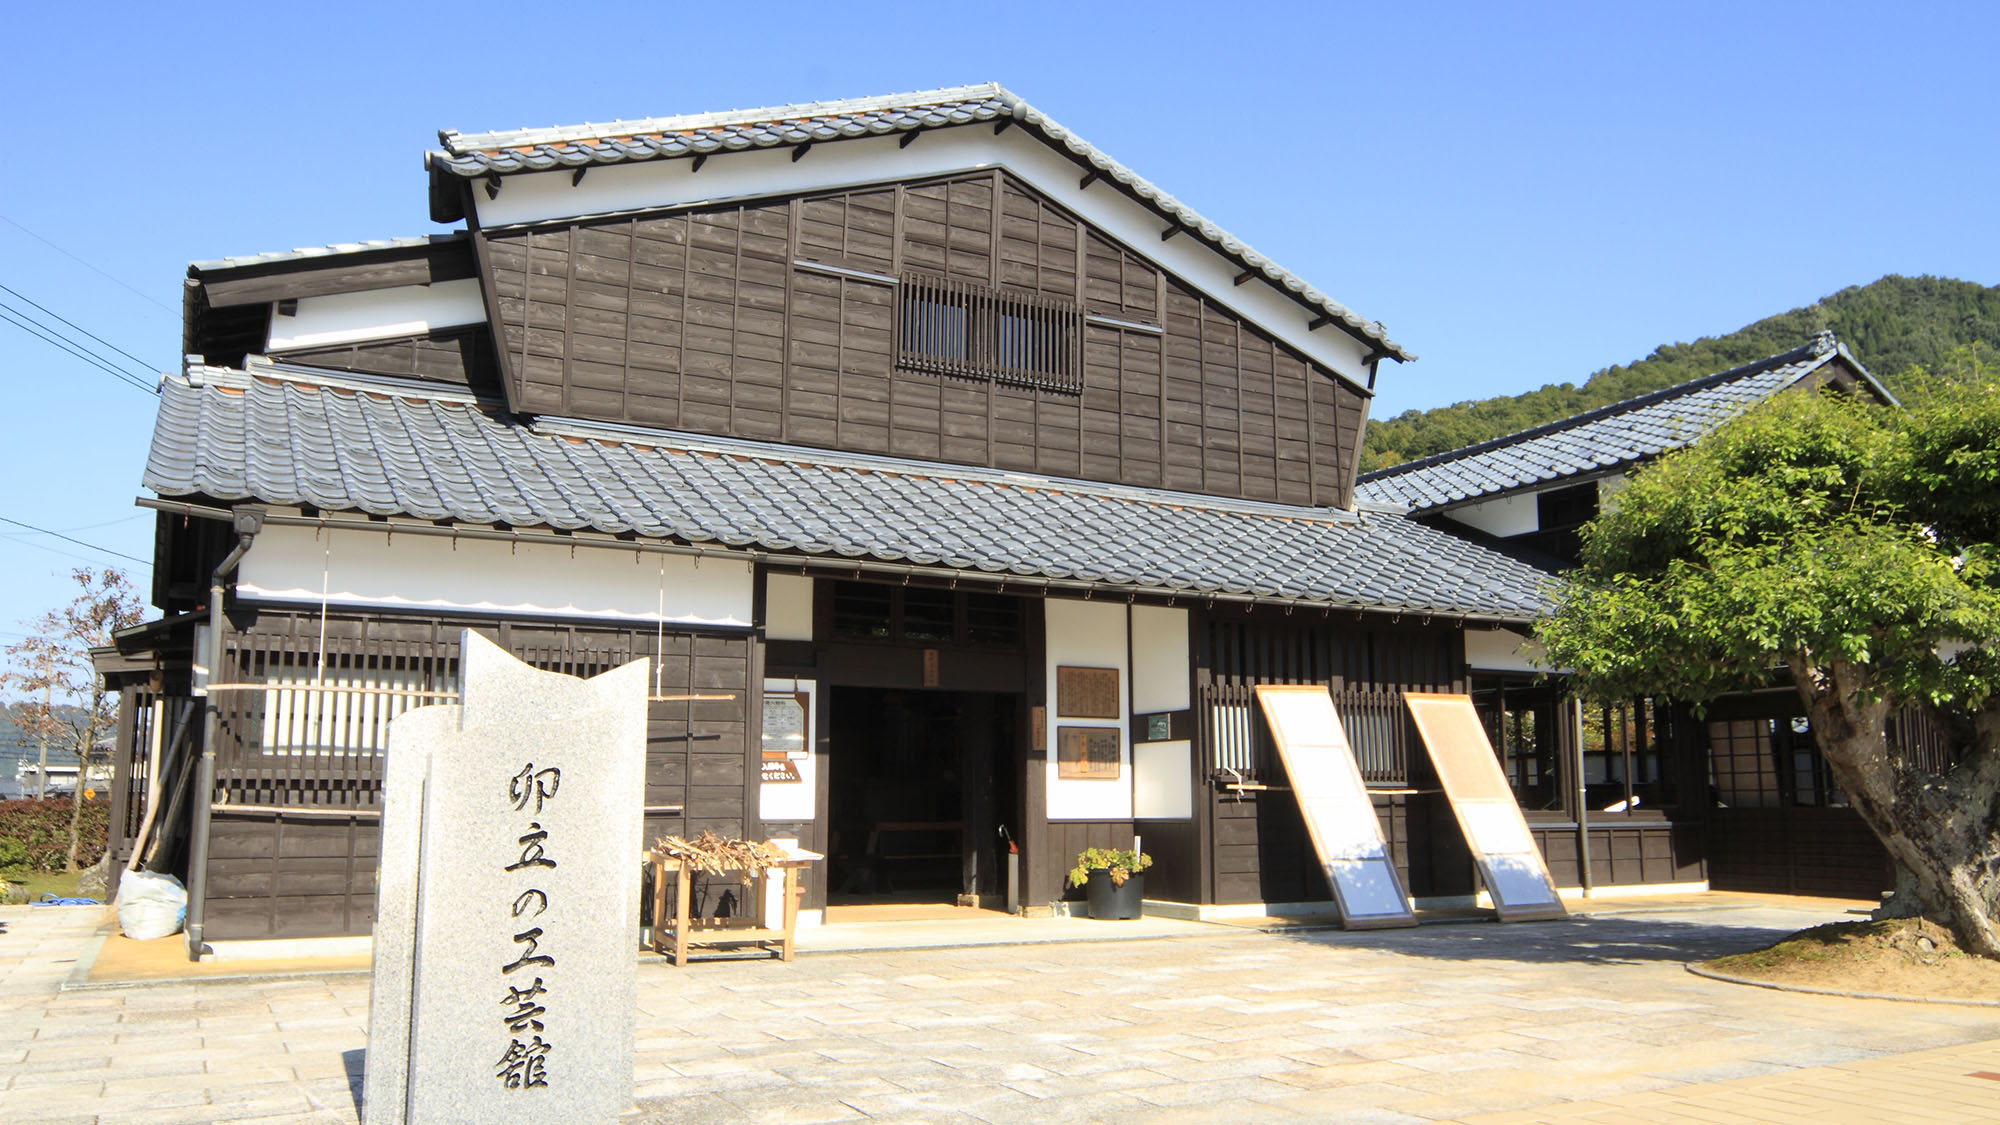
(1744, 784)
(959, 483)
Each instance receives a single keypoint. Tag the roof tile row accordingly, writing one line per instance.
(341, 444)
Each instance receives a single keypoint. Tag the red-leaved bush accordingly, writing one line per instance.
(42, 827)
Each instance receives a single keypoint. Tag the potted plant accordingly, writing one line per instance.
(1116, 885)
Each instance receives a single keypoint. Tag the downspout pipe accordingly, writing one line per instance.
(1582, 799)
(247, 522)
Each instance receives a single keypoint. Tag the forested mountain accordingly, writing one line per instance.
(1889, 325)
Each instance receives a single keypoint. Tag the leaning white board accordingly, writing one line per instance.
(1339, 816)
(1484, 803)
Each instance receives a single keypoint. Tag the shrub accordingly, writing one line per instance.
(41, 829)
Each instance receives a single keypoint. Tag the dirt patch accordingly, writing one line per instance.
(1902, 957)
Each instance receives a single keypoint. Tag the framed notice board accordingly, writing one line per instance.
(1087, 693)
(1089, 753)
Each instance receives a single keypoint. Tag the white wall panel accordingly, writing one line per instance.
(1504, 650)
(378, 314)
(1090, 635)
(1162, 784)
(1160, 659)
(1510, 515)
(788, 607)
(363, 568)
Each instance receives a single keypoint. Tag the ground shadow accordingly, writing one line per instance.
(1617, 940)
(356, 1062)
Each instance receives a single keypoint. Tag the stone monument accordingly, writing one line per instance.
(507, 899)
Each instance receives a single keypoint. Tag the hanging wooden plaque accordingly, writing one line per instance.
(1089, 753)
(1087, 693)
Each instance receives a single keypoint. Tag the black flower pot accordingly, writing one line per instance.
(1107, 901)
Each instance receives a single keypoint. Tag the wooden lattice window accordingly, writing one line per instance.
(946, 327)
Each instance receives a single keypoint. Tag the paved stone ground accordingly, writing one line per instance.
(1436, 1024)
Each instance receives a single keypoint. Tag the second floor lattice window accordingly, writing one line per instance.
(952, 328)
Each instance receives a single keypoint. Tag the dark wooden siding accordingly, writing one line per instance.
(1796, 851)
(1261, 852)
(1624, 854)
(1048, 876)
(702, 321)
(699, 757)
(463, 356)
(290, 876)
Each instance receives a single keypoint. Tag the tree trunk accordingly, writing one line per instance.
(75, 819)
(1944, 831)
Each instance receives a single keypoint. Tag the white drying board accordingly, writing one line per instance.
(1510, 863)
(1339, 816)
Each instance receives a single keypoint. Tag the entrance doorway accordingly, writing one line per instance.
(920, 783)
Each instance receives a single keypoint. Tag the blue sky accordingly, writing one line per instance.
(1522, 193)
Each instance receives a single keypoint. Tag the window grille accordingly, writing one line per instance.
(1234, 739)
(1376, 724)
(952, 328)
(347, 711)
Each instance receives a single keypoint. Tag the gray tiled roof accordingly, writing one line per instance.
(287, 437)
(472, 155)
(1610, 438)
(334, 250)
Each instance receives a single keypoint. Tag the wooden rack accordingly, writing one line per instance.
(675, 933)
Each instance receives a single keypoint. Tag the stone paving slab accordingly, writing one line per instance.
(1589, 1020)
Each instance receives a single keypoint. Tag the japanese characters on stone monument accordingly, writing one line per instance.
(507, 916)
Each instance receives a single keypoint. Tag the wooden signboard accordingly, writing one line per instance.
(1087, 693)
(1339, 815)
(1509, 862)
(1087, 752)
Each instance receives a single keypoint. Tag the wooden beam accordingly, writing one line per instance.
(700, 158)
(576, 177)
(1171, 231)
(1000, 126)
(1318, 323)
(801, 151)
(1089, 178)
(492, 185)
(1246, 276)
(907, 139)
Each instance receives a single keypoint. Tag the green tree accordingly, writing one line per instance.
(63, 703)
(1851, 549)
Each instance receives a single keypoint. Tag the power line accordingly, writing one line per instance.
(87, 265)
(143, 365)
(42, 332)
(19, 539)
(78, 542)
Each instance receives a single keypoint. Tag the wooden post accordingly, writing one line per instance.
(682, 923)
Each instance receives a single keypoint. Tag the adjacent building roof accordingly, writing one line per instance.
(288, 436)
(1611, 438)
(335, 250)
(475, 155)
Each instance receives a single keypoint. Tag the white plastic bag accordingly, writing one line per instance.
(151, 906)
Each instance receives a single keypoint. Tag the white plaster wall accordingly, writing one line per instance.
(1504, 650)
(1162, 780)
(788, 607)
(1509, 515)
(1091, 635)
(367, 568)
(406, 310)
(1608, 489)
(1159, 659)
(532, 197)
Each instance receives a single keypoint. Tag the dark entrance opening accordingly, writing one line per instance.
(919, 784)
